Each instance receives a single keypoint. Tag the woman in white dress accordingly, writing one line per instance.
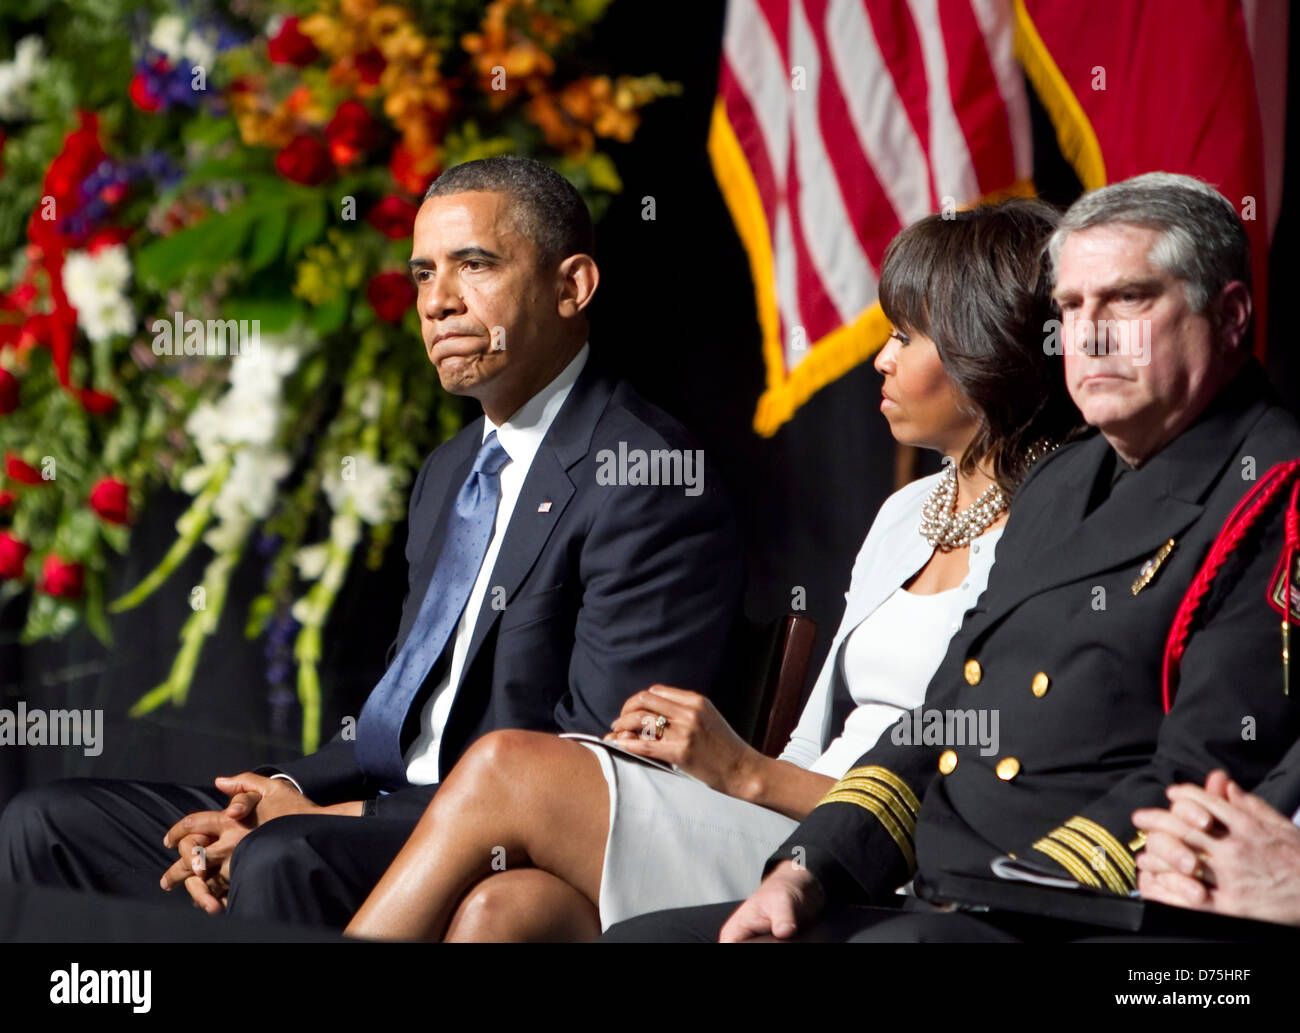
(537, 837)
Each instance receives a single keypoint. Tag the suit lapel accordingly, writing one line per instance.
(567, 442)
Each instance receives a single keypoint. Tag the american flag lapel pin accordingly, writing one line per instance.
(544, 507)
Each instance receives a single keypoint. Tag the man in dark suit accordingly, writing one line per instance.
(544, 587)
(1065, 645)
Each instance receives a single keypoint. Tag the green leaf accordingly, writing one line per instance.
(260, 611)
(268, 239)
(161, 263)
(308, 225)
(96, 619)
(228, 240)
(78, 534)
(327, 318)
(274, 314)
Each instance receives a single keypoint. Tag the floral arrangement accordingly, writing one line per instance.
(207, 214)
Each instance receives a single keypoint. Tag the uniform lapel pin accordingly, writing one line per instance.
(1152, 566)
(544, 507)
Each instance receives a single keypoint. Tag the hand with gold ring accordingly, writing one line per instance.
(701, 742)
(1221, 849)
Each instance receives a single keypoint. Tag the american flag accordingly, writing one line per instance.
(838, 123)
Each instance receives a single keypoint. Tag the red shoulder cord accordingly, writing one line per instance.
(1239, 521)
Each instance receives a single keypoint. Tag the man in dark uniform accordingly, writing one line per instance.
(1066, 643)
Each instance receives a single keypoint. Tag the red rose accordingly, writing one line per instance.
(107, 237)
(390, 295)
(108, 498)
(96, 402)
(306, 160)
(37, 330)
(62, 579)
(8, 392)
(411, 175)
(13, 554)
(19, 471)
(143, 97)
(19, 298)
(350, 132)
(394, 217)
(369, 65)
(291, 46)
(7, 499)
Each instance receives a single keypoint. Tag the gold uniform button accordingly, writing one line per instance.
(973, 672)
(1008, 768)
(948, 762)
(1039, 685)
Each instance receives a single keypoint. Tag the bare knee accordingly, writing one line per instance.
(487, 911)
(505, 753)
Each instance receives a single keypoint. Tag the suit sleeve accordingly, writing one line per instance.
(1229, 712)
(661, 575)
(331, 774)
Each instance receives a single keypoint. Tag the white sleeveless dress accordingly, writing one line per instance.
(674, 842)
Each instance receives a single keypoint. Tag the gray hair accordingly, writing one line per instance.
(547, 209)
(1202, 241)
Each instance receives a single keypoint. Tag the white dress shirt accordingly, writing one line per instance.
(892, 553)
(521, 436)
(888, 660)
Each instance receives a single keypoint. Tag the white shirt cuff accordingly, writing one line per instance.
(290, 781)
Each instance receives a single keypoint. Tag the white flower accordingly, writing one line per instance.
(205, 425)
(247, 418)
(18, 75)
(228, 534)
(168, 36)
(345, 531)
(261, 372)
(95, 285)
(200, 49)
(196, 478)
(372, 489)
(310, 560)
(109, 320)
(370, 404)
(249, 490)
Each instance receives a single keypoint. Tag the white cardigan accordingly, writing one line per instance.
(891, 554)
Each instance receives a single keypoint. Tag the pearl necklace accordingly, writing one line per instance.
(943, 527)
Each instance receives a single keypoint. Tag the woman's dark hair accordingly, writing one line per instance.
(978, 283)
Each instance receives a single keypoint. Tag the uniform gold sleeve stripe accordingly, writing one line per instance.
(903, 816)
(1069, 862)
(1094, 857)
(900, 837)
(1123, 859)
(883, 793)
(865, 787)
(895, 783)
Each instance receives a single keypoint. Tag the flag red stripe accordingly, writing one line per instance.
(819, 313)
(976, 98)
(900, 47)
(871, 214)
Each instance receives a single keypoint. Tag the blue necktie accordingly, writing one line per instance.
(469, 530)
